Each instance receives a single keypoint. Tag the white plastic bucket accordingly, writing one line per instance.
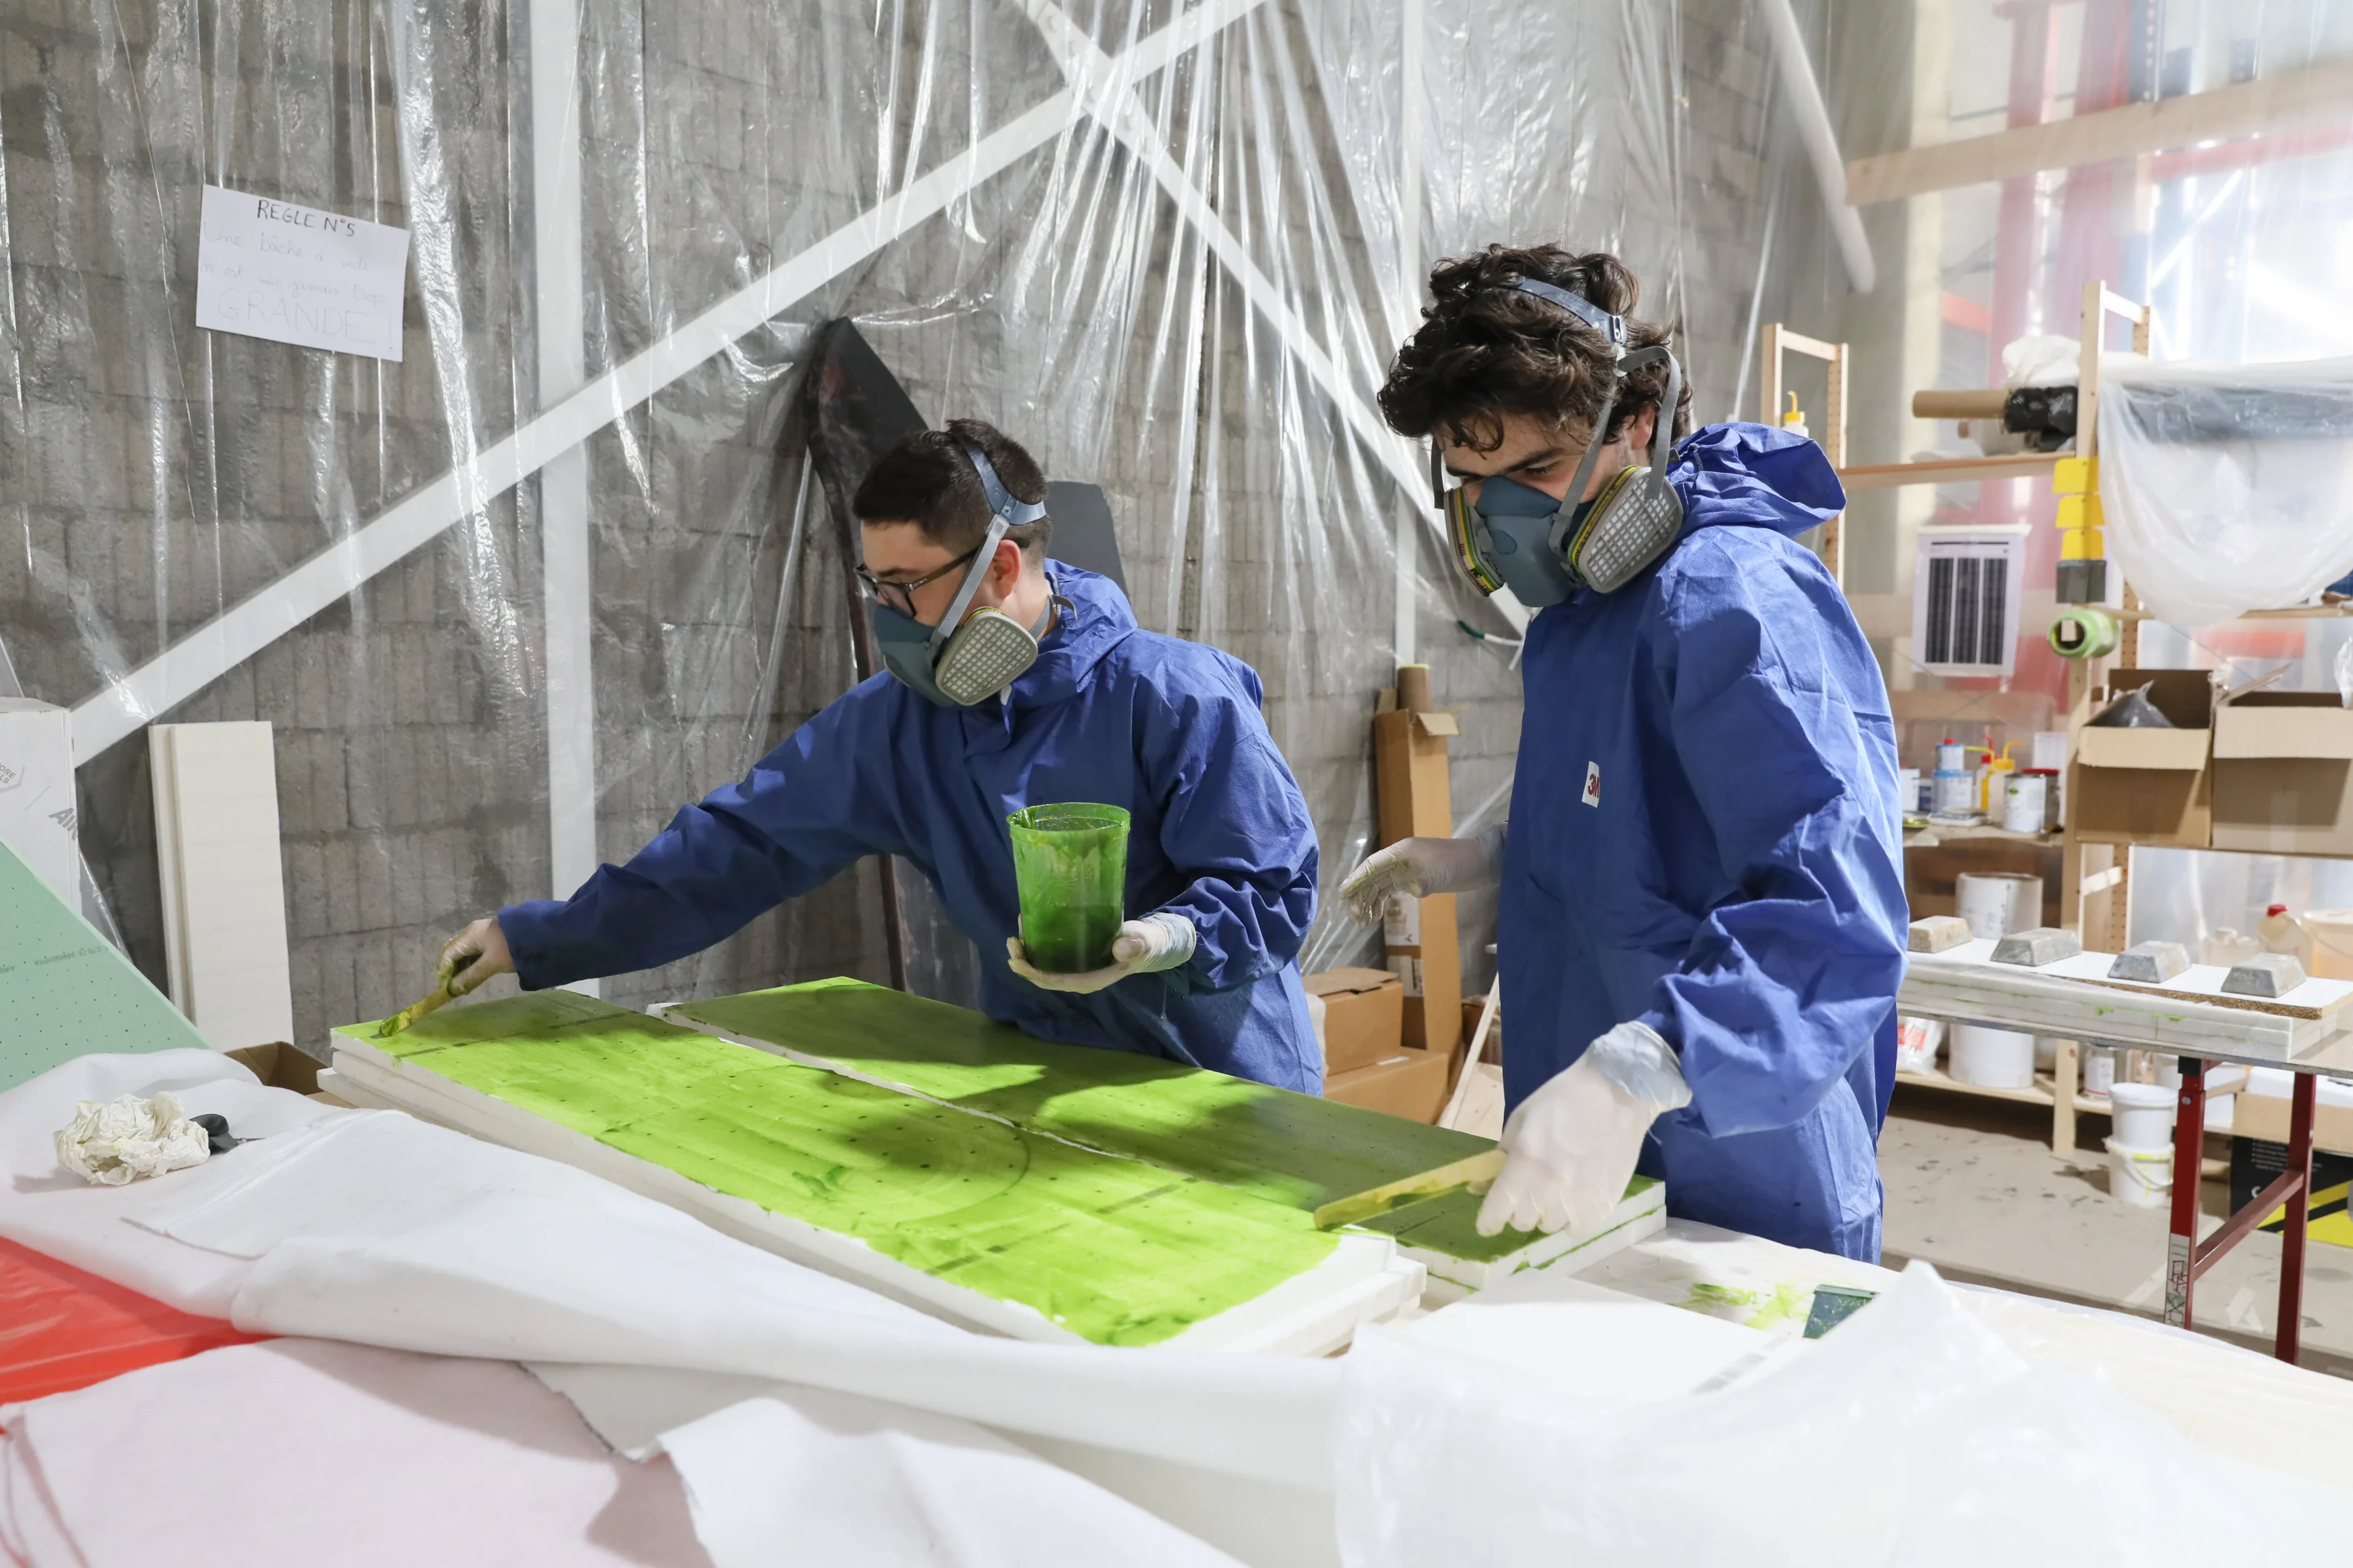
(2142, 1178)
(2332, 943)
(2144, 1114)
(2099, 1069)
(1991, 1058)
(1996, 903)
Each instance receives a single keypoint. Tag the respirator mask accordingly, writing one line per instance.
(968, 655)
(1544, 548)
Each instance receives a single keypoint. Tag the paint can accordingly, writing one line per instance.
(1907, 791)
(1990, 1059)
(2023, 798)
(2144, 1114)
(1996, 903)
(1953, 790)
(2141, 1178)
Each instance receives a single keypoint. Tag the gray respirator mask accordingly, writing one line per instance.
(972, 652)
(1544, 549)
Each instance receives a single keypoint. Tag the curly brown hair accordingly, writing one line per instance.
(1486, 350)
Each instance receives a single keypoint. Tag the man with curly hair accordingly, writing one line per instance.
(1702, 925)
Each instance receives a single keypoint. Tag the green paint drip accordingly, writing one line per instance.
(1754, 1308)
(1295, 1150)
(1113, 1249)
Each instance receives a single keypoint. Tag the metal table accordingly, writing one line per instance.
(2186, 1257)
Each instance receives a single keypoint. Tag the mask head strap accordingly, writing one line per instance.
(1004, 512)
(1001, 504)
(1612, 327)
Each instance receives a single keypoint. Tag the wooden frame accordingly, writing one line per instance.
(1780, 339)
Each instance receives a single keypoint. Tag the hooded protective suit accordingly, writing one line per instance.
(1110, 713)
(1705, 837)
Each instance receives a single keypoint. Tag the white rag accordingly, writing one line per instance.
(130, 1137)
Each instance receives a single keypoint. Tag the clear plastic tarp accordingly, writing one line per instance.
(510, 599)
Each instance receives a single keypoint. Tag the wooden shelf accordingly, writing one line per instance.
(1948, 470)
(2043, 1093)
(1937, 834)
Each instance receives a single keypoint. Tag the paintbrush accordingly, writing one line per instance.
(425, 1003)
(1477, 1173)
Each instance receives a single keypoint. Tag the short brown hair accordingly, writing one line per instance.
(926, 480)
(1486, 350)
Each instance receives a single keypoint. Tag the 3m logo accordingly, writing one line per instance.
(64, 819)
(1592, 795)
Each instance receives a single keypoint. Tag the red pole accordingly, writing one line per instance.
(2299, 1213)
(2188, 1155)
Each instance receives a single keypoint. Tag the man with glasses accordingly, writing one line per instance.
(1013, 681)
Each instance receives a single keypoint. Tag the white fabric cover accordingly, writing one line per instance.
(2227, 487)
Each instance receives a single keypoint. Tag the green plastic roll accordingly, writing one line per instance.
(1070, 866)
(2083, 631)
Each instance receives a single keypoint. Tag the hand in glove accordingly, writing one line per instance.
(1569, 1149)
(473, 956)
(1419, 868)
(1157, 942)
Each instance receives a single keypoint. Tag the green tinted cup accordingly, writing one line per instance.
(1070, 865)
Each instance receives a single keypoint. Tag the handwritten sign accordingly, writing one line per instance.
(296, 275)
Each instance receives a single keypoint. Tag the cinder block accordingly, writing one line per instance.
(2269, 975)
(1937, 933)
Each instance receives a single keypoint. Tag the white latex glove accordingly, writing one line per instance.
(115, 1144)
(1569, 1149)
(473, 956)
(1159, 941)
(1419, 868)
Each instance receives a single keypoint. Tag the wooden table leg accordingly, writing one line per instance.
(2299, 1213)
(2066, 1072)
(2189, 1158)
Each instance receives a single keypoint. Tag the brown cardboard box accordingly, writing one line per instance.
(2265, 1116)
(1411, 1084)
(1364, 1016)
(1411, 791)
(1492, 1051)
(2283, 773)
(280, 1066)
(2146, 786)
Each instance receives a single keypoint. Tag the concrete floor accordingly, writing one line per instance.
(1974, 1188)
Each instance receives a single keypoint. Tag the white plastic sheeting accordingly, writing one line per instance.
(509, 601)
(1912, 1435)
(2227, 487)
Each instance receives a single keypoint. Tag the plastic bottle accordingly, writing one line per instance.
(2225, 947)
(2281, 933)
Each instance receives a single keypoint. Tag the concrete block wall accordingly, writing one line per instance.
(152, 475)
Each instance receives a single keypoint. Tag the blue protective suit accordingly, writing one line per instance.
(1109, 713)
(1705, 837)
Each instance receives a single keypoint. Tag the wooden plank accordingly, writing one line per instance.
(1972, 989)
(1799, 343)
(216, 789)
(2321, 95)
(1947, 471)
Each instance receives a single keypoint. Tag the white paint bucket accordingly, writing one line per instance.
(2144, 1114)
(2022, 799)
(2099, 1069)
(1996, 903)
(2142, 1178)
(1990, 1059)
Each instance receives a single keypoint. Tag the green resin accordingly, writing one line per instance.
(1113, 1249)
(1069, 867)
(1295, 1150)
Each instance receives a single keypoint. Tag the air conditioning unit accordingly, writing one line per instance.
(1966, 586)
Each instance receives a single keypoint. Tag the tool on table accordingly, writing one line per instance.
(439, 996)
(1477, 1173)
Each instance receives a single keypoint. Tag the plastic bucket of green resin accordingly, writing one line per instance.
(1070, 865)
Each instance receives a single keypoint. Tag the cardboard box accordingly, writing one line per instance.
(1412, 793)
(2265, 1117)
(1364, 1016)
(1411, 1084)
(2146, 786)
(280, 1066)
(2283, 773)
(1492, 1051)
(36, 794)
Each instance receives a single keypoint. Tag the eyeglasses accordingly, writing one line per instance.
(901, 596)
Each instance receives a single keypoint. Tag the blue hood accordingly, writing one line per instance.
(1754, 476)
(1098, 621)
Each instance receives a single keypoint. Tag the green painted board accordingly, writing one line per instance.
(65, 991)
(1113, 1249)
(1292, 1149)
